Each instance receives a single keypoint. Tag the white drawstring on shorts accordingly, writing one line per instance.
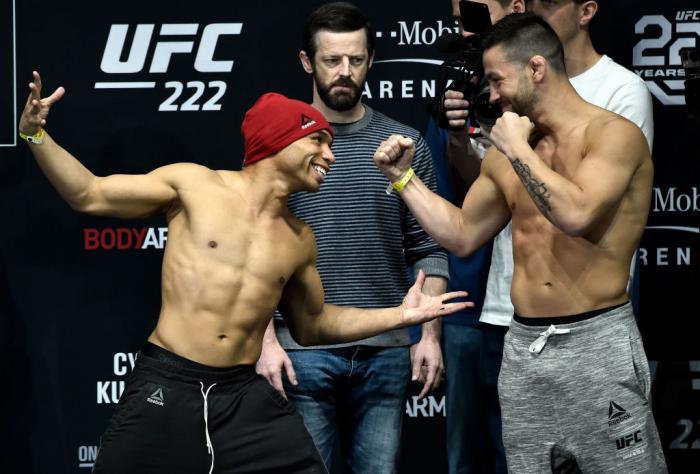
(537, 346)
(210, 447)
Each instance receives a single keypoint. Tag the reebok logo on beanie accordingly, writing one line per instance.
(273, 122)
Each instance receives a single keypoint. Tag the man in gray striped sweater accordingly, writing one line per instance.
(367, 241)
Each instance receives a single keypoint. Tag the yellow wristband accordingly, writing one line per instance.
(37, 138)
(400, 185)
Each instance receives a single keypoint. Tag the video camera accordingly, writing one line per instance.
(459, 73)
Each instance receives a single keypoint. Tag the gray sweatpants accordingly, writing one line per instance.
(578, 397)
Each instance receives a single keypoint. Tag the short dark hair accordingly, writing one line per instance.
(337, 17)
(524, 35)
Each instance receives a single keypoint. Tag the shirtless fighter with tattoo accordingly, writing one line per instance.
(576, 180)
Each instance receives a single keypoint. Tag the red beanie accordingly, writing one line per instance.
(274, 122)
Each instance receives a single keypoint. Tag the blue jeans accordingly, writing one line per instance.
(472, 362)
(357, 394)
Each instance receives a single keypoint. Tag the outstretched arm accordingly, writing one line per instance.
(116, 195)
(461, 231)
(575, 203)
(312, 322)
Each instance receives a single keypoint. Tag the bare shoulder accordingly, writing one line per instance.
(303, 230)
(612, 135)
(233, 179)
(306, 239)
(608, 126)
(603, 120)
(179, 174)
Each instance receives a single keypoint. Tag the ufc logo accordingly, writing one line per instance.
(630, 439)
(138, 51)
(688, 15)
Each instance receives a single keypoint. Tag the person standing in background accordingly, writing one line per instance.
(367, 241)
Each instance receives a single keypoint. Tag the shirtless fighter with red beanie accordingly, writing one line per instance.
(234, 253)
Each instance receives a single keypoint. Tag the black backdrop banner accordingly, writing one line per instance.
(151, 83)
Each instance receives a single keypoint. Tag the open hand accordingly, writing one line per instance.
(36, 109)
(418, 307)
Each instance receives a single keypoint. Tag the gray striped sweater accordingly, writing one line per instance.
(366, 238)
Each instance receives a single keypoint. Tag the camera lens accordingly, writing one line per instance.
(486, 113)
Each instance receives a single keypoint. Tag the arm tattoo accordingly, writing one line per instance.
(537, 190)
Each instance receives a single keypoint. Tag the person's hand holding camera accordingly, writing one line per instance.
(456, 108)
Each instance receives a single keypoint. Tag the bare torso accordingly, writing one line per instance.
(556, 274)
(224, 269)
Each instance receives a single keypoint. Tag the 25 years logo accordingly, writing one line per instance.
(147, 54)
(656, 57)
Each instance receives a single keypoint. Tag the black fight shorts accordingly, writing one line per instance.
(178, 416)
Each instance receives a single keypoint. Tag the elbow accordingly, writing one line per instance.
(79, 206)
(302, 337)
(574, 231)
(83, 201)
(576, 226)
(306, 342)
(454, 243)
(461, 252)
(462, 249)
(85, 206)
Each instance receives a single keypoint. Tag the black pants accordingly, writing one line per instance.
(159, 424)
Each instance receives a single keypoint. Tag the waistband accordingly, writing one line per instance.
(592, 320)
(557, 320)
(154, 356)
